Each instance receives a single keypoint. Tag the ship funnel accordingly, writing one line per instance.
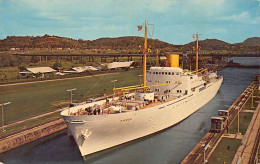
(172, 60)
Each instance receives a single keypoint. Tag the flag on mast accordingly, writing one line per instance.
(193, 36)
(139, 28)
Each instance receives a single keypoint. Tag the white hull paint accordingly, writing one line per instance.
(109, 130)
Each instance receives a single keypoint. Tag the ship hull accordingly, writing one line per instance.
(105, 131)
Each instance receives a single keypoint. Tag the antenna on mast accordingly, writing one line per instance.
(145, 49)
(197, 51)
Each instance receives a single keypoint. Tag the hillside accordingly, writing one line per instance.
(47, 41)
(254, 41)
(209, 43)
(128, 42)
(120, 43)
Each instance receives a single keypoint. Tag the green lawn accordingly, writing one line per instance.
(244, 120)
(11, 74)
(248, 105)
(33, 99)
(225, 151)
(227, 147)
(8, 73)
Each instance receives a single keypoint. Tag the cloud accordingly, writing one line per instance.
(160, 6)
(243, 17)
(205, 1)
(56, 9)
(60, 9)
(201, 9)
(259, 2)
(109, 18)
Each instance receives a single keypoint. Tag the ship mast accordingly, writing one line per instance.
(197, 52)
(157, 58)
(144, 61)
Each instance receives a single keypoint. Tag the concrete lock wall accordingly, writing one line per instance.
(30, 135)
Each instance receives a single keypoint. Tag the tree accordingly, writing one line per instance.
(39, 75)
(57, 65)
(22, 68)
(7, 60)
(104, 67)
(35, 59)
(21, 60)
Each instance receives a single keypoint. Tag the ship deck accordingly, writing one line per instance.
(158, 103)
(142, 105)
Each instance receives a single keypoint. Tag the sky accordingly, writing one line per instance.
(174, 21)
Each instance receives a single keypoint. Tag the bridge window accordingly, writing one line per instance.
(153, 72)
(172, 73)
(156, 73)
(163, 73)
(159, 73)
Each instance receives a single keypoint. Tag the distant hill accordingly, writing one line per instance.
(128, 42)
(119, 43)
(254, 41)
(209, 43)
(46, 41)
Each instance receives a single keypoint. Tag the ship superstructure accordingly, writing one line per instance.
(168, 95)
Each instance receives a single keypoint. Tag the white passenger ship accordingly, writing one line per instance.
(168, 95)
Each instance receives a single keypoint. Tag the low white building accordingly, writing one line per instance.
(81, 69)
(37, 71)
(116, 65)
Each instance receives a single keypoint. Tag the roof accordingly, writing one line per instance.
(39, 70)
(81, 69)
(223, 110)
(119, 64)
(217, 118)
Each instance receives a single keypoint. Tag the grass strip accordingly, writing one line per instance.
(225, 151)
(30, 123)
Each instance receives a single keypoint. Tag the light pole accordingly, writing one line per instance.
(252, 106)
(140, 79)
(3, 104)
(114, 81)
(204, 155)
(71, 94)
(238, 123)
